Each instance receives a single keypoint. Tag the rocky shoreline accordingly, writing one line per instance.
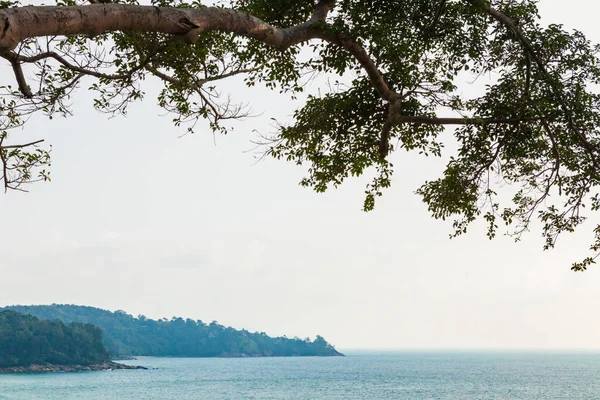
(109, 365)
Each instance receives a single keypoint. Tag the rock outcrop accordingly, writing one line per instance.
(109, 365)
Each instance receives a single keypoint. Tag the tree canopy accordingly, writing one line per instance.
(402, 63)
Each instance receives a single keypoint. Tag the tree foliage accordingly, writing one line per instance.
(25, 340)
(534, 127)
(125, 335)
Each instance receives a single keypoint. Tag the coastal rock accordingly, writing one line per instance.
(109, 365)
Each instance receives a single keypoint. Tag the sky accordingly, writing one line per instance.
(140, 219)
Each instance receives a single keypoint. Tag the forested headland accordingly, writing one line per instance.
(30, 344)
(125, 335)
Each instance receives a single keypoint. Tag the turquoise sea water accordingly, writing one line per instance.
(411, 375)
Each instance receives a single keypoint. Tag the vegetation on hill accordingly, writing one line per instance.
(26, 340)
(126, 335)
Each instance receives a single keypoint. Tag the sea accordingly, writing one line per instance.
(397, 375)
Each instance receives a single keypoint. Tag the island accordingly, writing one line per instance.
(29, 344)
(125, 335)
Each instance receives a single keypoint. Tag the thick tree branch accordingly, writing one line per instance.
(18, 24)
(365, 60)
(19, 76)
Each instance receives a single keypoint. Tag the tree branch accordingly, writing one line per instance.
(364, 59)
(19, 76)
(226, 75)
(20, 146)
(18, 24)
(403, 119)
(57, 57)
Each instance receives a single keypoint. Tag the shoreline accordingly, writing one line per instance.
(109, 365)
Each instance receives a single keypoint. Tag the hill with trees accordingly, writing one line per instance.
(26, 340)
(125, 335)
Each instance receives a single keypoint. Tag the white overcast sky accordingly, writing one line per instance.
(141, 220)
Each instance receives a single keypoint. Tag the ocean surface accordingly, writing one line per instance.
(410, 375)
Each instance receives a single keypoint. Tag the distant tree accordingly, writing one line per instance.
(535, 126)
